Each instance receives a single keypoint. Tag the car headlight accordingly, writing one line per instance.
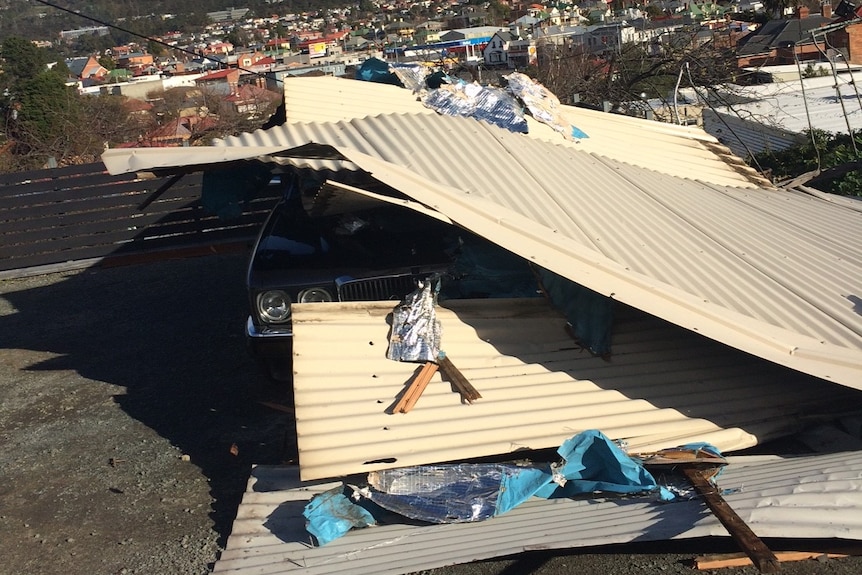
(273, 306)
(313, 295)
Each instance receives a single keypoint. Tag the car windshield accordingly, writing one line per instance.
(386, 236)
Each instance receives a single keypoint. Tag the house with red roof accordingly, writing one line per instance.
(220, 82)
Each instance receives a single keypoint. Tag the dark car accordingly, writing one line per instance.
(310, 251)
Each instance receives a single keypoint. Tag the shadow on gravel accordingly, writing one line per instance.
(171, 334)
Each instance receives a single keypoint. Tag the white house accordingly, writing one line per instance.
(496, 52)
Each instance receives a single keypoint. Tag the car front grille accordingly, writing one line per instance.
(374, 289)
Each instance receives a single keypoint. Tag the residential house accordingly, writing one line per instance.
(302, 37)
(607, 38)
(846, 41)
(252, 101)
(135, 62)
(403, 30)
(137, 108)
(469, 17)
(218, 48)
(177, 132)
(358, 43)
(86, 68)
(278, 45)
(222, 82)
(496, 51)
(255, 61)
(521, 53)
(787, 40)
(428, 32)
(524, 25)
(202, 65)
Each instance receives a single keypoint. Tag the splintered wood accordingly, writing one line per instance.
(417, 386)
(450, 373)
(761, 556)
(720, 561)
(454, 375)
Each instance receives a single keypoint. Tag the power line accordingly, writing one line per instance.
(807, 113)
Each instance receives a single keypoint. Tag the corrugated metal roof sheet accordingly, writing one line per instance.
(662, 387)
(676, 150)
(770, 272)
(774, 273)
(802, 497)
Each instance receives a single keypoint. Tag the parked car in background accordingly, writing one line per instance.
(374, 251)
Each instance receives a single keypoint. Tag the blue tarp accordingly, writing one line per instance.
(331, 514)
(457, 493)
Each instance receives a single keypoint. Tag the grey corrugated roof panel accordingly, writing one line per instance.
(661, 386)
(767, 271)
(817, 496)
(747, 137)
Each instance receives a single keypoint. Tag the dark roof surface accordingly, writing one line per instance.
(778, 32)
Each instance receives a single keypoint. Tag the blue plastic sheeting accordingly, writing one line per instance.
(590, 314)
(591, 463)
(457, 493)
(482, 269)
(331, 514)
(377, 70)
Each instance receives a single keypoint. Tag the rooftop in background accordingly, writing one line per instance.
(775, 116)
(826, 103)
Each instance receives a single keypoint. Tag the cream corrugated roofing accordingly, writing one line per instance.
(771, 272)
(676, 150)
(815, 496)
(662, 387)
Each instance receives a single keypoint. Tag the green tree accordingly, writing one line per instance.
(107, 63)
(826, 161)
(499, 11)
(21, 59)
(627, 72)
(40, 113)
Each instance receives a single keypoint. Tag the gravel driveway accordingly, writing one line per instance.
(131, 416)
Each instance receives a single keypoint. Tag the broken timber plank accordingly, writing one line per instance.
(454, 375)
(761, 556)
(417, 386)
(721, 560)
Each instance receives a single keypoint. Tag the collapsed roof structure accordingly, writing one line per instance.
(770, 272)
(740, 304)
